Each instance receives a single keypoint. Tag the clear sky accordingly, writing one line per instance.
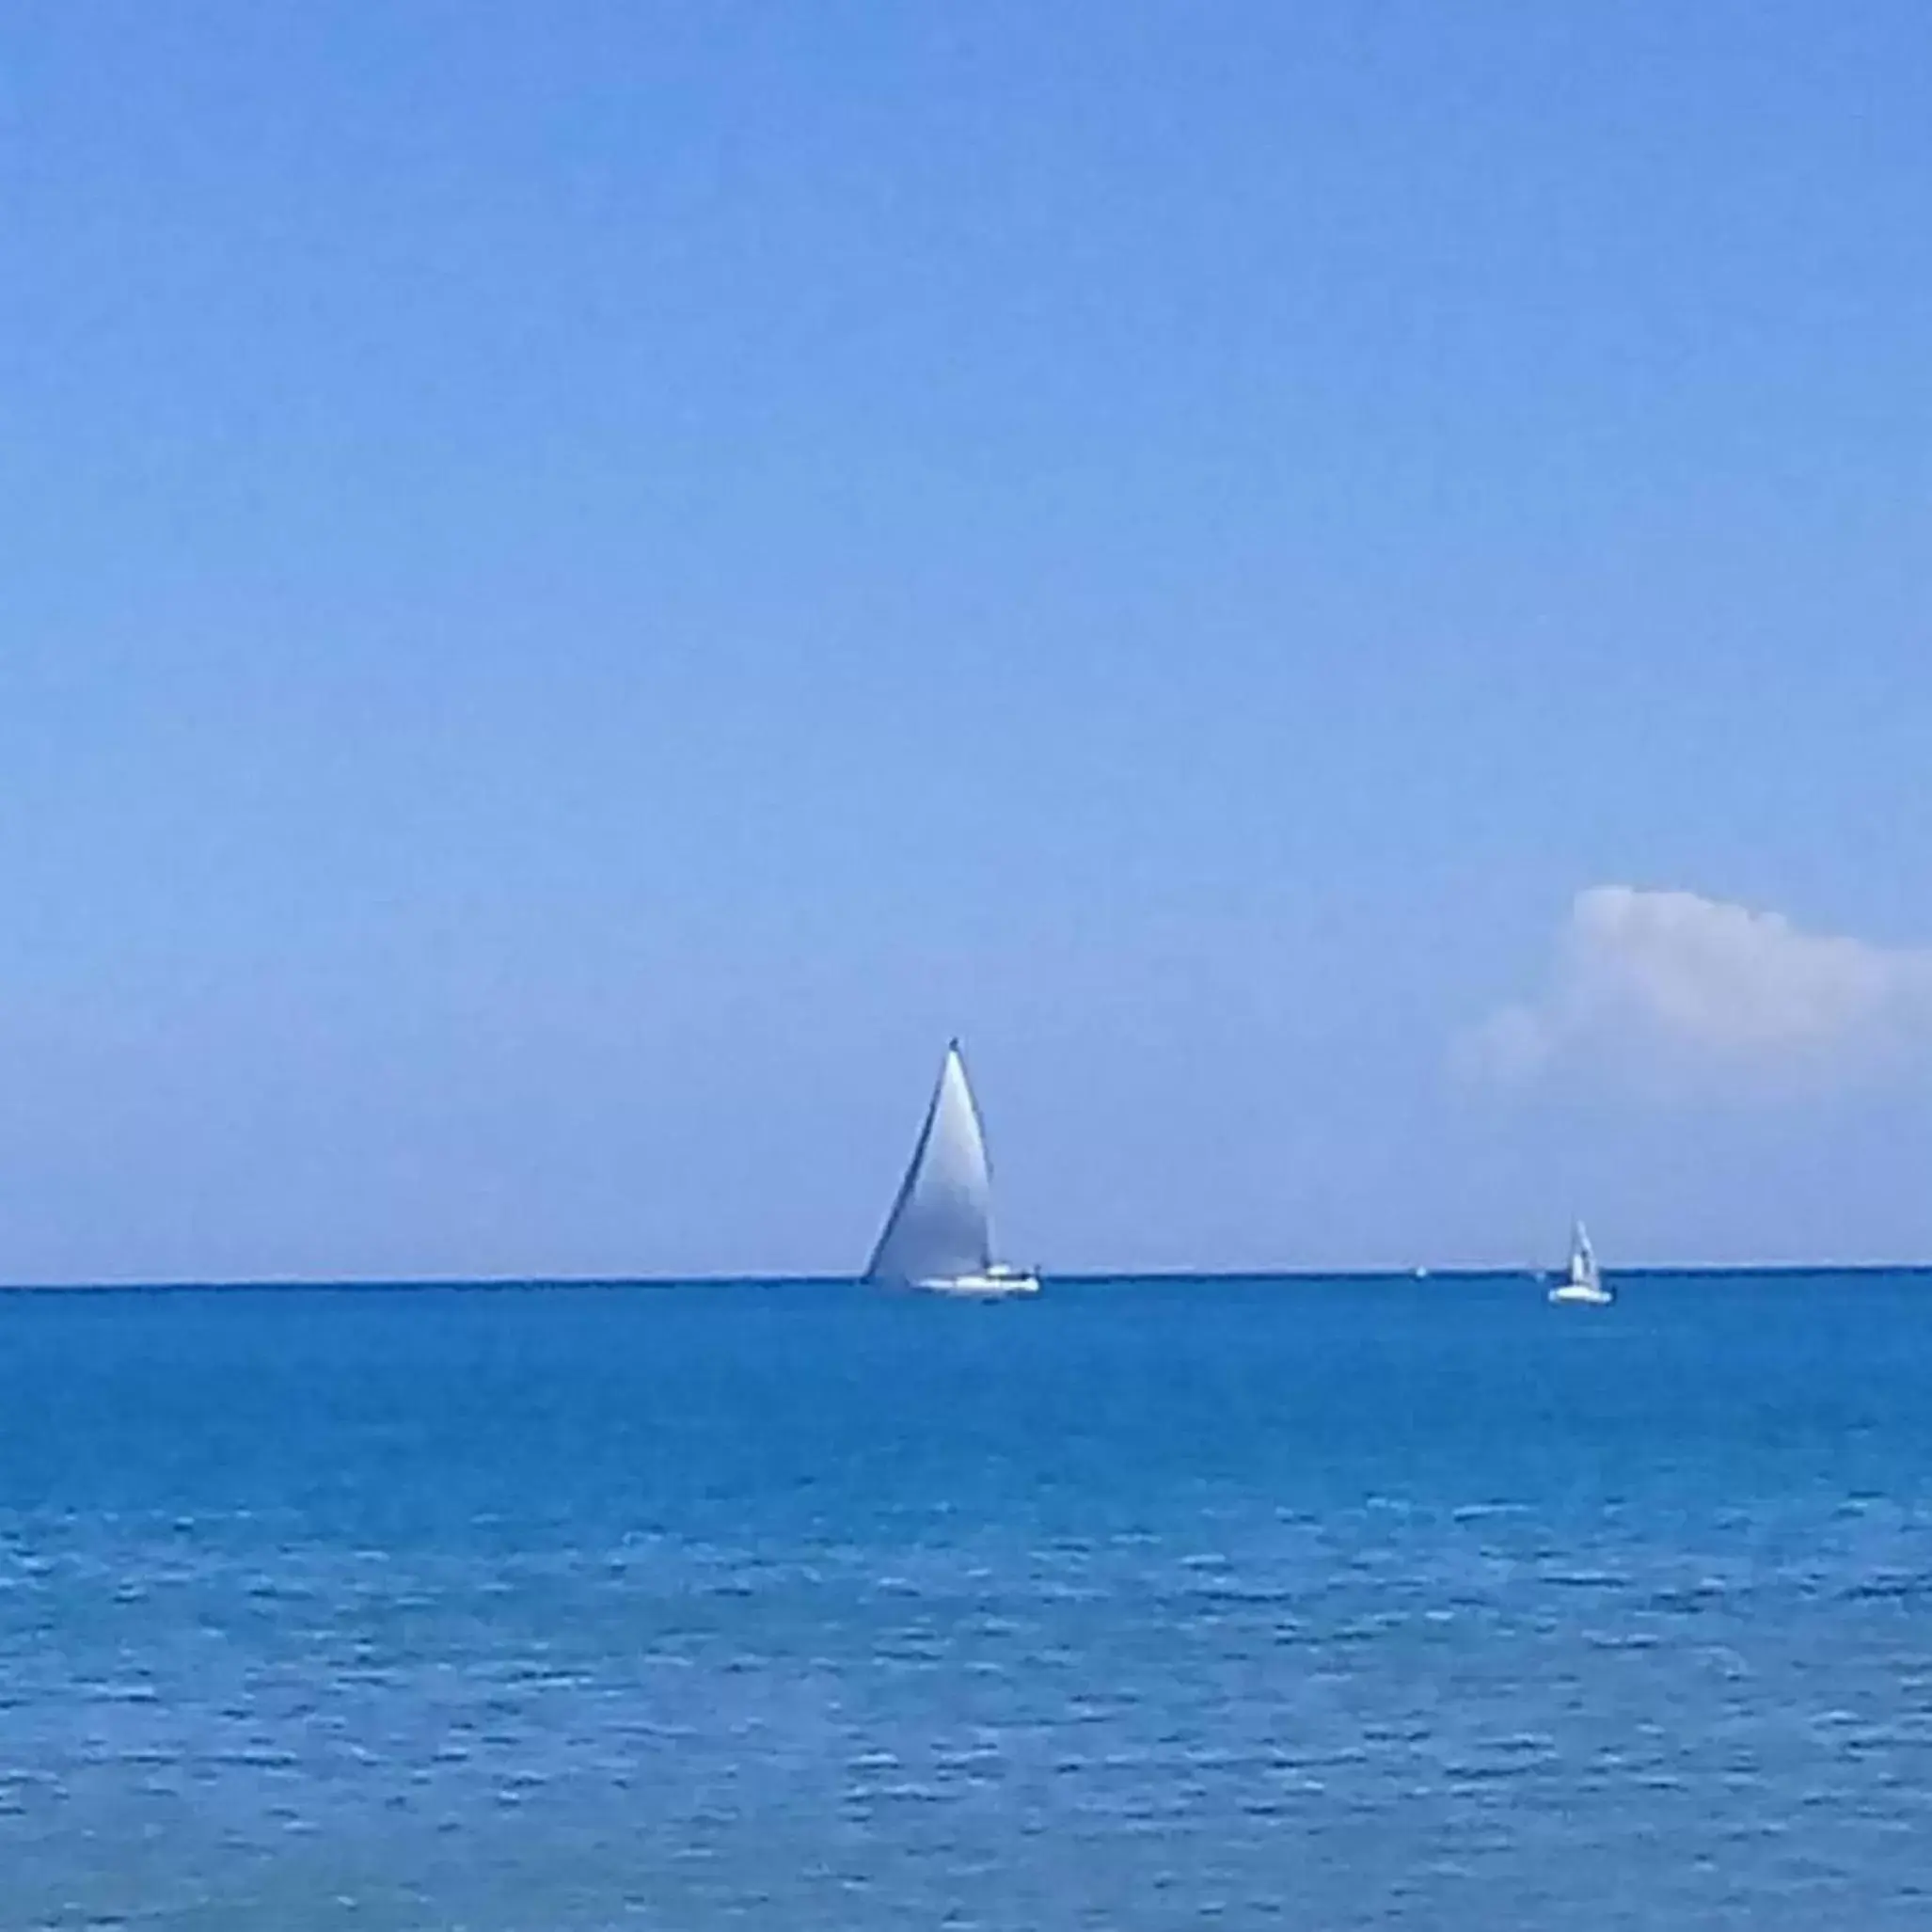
(582, 583)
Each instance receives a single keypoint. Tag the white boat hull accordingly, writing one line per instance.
(1580, 1294)
(986, 1287)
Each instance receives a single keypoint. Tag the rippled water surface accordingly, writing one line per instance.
(1148, 1605)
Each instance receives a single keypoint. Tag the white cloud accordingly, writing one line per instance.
(1670, 988)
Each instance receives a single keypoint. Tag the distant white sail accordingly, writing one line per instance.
(1583, 1282)
(939, 1234)
(1583, 1270)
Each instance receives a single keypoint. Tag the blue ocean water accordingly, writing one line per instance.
(1147, 1605)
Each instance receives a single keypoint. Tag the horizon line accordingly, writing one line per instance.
(1073, 1277)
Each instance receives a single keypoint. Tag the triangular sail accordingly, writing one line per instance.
(940, 1225)
(1582, 1258)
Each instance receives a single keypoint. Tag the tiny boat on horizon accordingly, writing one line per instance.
(1582, 1284)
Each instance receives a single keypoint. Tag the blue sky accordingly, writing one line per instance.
(584, 583)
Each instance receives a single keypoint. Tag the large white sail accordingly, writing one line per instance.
(940, 1225)
(939, 1234)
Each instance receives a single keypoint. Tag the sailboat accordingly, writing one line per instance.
(1583, 1283)
(939, 1235)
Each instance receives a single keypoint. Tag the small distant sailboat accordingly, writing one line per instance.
(939, 1235)
(1583, 1283)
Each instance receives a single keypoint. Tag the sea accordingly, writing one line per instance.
(1142, 1605)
